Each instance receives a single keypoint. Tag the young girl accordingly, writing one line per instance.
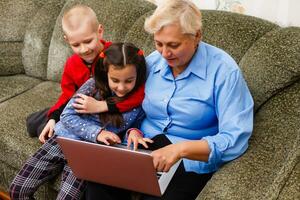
(119, 72)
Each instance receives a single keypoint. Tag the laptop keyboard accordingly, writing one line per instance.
(122, 146)
(158, 174)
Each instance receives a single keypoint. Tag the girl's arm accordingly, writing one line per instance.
(87, 104)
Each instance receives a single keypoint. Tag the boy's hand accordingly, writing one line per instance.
(136, 138)
(48, 131)
(85, 104)
(108, 137)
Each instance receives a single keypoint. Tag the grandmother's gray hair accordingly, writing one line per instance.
(170, 12)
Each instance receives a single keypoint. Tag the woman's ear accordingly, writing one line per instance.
(198, 35)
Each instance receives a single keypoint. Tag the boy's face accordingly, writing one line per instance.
(85, 41)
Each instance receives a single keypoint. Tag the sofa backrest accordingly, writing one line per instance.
(37, 38)
(268, 54)
(14, 18)
(272, 63)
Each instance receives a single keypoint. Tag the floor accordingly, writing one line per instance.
(4, 195)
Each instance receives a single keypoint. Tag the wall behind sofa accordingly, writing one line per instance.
(282, 12)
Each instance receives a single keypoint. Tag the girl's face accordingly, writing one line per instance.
(121, 81)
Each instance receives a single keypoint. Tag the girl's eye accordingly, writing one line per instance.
(75, 45)
(115, 81)
(129, 81)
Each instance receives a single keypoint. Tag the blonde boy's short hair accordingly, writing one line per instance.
(170, 12)
(77, 16)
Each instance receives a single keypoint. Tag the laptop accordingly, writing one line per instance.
(116, 166)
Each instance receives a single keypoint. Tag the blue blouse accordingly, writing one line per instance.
(88, 126)
(209, 100)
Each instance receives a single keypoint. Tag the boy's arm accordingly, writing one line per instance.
(68, 88)
(134, 100)
(56, 113)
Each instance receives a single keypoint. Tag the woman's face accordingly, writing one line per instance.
(177, 48)
(121, 81)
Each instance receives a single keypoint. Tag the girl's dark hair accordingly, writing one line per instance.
(119, 55)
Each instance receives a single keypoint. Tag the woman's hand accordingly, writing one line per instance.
(136, 138)
(85, 104)
(108, 138)
(164, 158)
(48, 131)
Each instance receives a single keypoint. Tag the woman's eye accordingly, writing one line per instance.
(158, 44)
(174, 46)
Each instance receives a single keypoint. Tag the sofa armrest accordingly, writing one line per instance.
(273, 153)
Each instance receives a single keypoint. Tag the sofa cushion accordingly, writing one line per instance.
(273, 153)
(138, 36)
(16, 146)
(235, 33)
(13, 113)
(11, 58)
(292, 186)
(272, 63)
(14, 17)
(117, 17)
(8, 172)
(37, 39)
(12, 86)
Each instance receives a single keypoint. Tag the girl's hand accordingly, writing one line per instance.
(85, 104)
(108, 138)
(165, 157)
(48, 131)
(136, 138)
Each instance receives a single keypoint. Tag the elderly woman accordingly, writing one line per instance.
(197, 104)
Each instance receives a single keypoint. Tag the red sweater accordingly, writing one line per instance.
(75, 74)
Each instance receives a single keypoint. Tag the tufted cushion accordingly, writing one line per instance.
(235, 33)
(37, 39)
(117, 17)
(272, 63)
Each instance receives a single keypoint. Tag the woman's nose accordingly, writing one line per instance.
(166, 52)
